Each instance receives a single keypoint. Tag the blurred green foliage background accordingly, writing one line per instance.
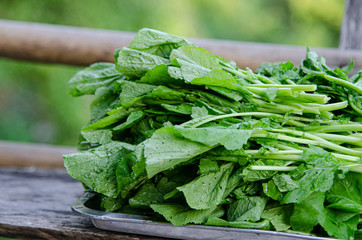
(34, 106)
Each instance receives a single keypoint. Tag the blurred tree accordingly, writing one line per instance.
(34, 105)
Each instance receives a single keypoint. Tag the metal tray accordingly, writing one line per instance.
(137, 224)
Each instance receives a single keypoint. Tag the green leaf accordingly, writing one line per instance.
(110, 204)
(210, 110)
(317, 175)
(131, 90)
(226, 105)
(157, 42)
(311, 61)
(178, 175)
(199, 112)
(311, 211)
(130, 170)
(310, 179)
(147, 195)
(103, 100)
(98, 136)
(346, 193)
(166, 185)
(357, 79)
(339, 224)
(96, 167)
(88, 80)
(199, 67)
(218, 78)
(285, 183)
(231, 94)
(271, 93)
(152, 193)
(134, 64)
(348, 68)
(114, 116)
(279, 72)
(181, 215)
(196, 60)
(247, 208)
(140, 95)
(271, 190)
(306, 213)
(252, 175)
(132, 119)
(164, 150)
(279, 216)
(319, 157)
(183, 108)
(207, 191)
(159, 75)
(245, 188)
(232, 139)
(161, 93)
(207, 166)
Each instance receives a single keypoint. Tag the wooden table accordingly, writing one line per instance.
(35, 204)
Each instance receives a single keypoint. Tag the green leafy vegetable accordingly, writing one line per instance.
(183, 135)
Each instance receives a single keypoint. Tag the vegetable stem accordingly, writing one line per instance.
(340, 138)
(321, 142)
(272, 168)
(343, 83)
(244, 114)
(335, 128)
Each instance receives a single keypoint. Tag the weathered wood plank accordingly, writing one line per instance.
(35, 204)
(83, 46)
(351, 30)
(16, 154)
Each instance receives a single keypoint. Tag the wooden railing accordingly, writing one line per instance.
(83, 46)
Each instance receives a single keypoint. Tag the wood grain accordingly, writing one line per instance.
(16, 154)
(35, 204)
(84, 46)
(351, 30)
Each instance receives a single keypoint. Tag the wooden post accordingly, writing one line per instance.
(351, 30)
